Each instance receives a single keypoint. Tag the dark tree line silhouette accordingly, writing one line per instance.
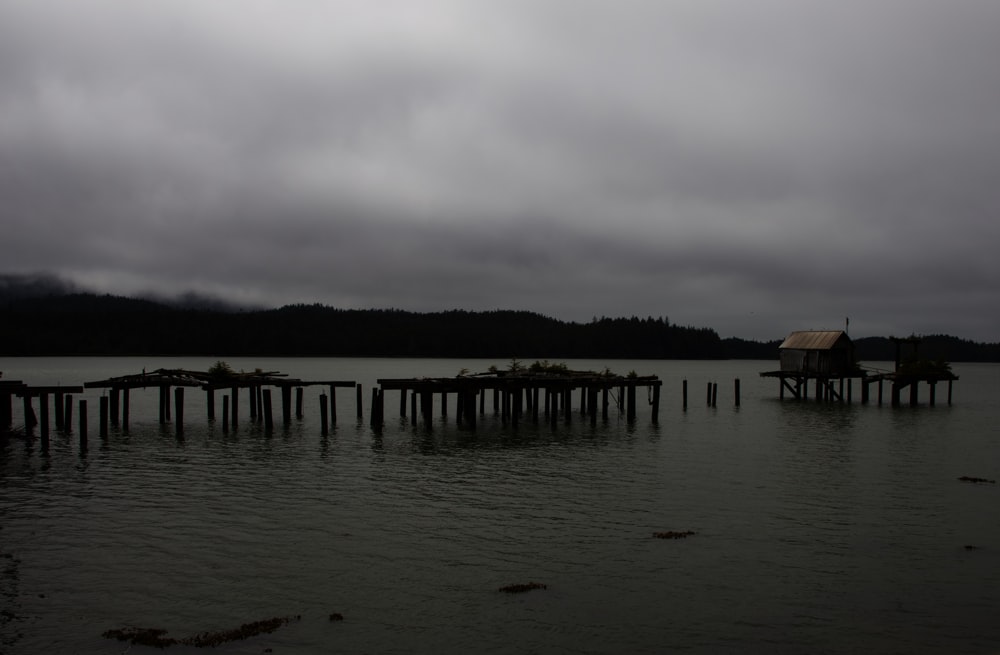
(89, 324)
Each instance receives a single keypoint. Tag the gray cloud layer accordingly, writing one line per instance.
(755, 167)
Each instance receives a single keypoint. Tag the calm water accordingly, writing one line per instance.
(821, 528)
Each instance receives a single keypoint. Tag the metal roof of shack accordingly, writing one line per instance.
(813, 339)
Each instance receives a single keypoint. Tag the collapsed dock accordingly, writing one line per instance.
(519, 395)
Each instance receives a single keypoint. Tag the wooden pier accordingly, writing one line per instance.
(518, 396)
(257, 386)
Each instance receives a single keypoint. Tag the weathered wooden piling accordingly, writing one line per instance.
(126, 408)
(83, 425)
(324, 410)
(298, 402)
(68, 413)
(268, 410)
(163, 404)
(225, 413)
(179, 411)
(359, 399)
(715, 393)
(736, 391)
(58, 402)
(113, 405)
(43, 413)
(30, 420)
(377, 415)
(333, 404)
(103, 417)
(286, 404)
(234, 406)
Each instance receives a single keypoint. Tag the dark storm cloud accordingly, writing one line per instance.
(752, 167)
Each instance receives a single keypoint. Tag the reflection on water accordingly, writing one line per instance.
(819, 527)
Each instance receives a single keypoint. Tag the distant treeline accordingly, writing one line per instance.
(89, 324)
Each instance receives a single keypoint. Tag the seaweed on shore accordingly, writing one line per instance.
(670, 534)
(521, 588)
(156, 637)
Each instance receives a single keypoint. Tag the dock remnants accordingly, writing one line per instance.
(531, 394)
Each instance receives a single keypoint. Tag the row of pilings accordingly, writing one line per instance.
(517, 398)
(840, 387)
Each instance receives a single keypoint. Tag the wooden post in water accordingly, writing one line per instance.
(708, 395)
(210, 403)
(378, 408)
(402, 402)
(684, 394)
(333, 404)
(482, 402)
(68, 413)
(736, 390)
(225, 413)
(850, 390)
(126, 408)
(163, 405)
(444, 403)
(83, 425)
(932, 394)
(913, 393)
(268, 410)
(58, 398)
(605, 392)
(234, 406)
(298, 402)
(103, 417)
(253, 402)
(30, 420)
(413, 407)
(43, 413)
(427, 406)
(179, 411)
(592, 404)
(949, 392)
(114, 407)
(358, 390)
(286, 404)
(715, 393)
(323, 415)
(656, 402)
(880, 391)
(630, 412)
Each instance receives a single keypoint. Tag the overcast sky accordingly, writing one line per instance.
(751, 166)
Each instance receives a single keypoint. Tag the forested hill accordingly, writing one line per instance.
(89, 324)
(86, 324)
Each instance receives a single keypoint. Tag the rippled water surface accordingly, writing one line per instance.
(820, 527)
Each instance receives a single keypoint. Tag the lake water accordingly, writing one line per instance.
(820, 527)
